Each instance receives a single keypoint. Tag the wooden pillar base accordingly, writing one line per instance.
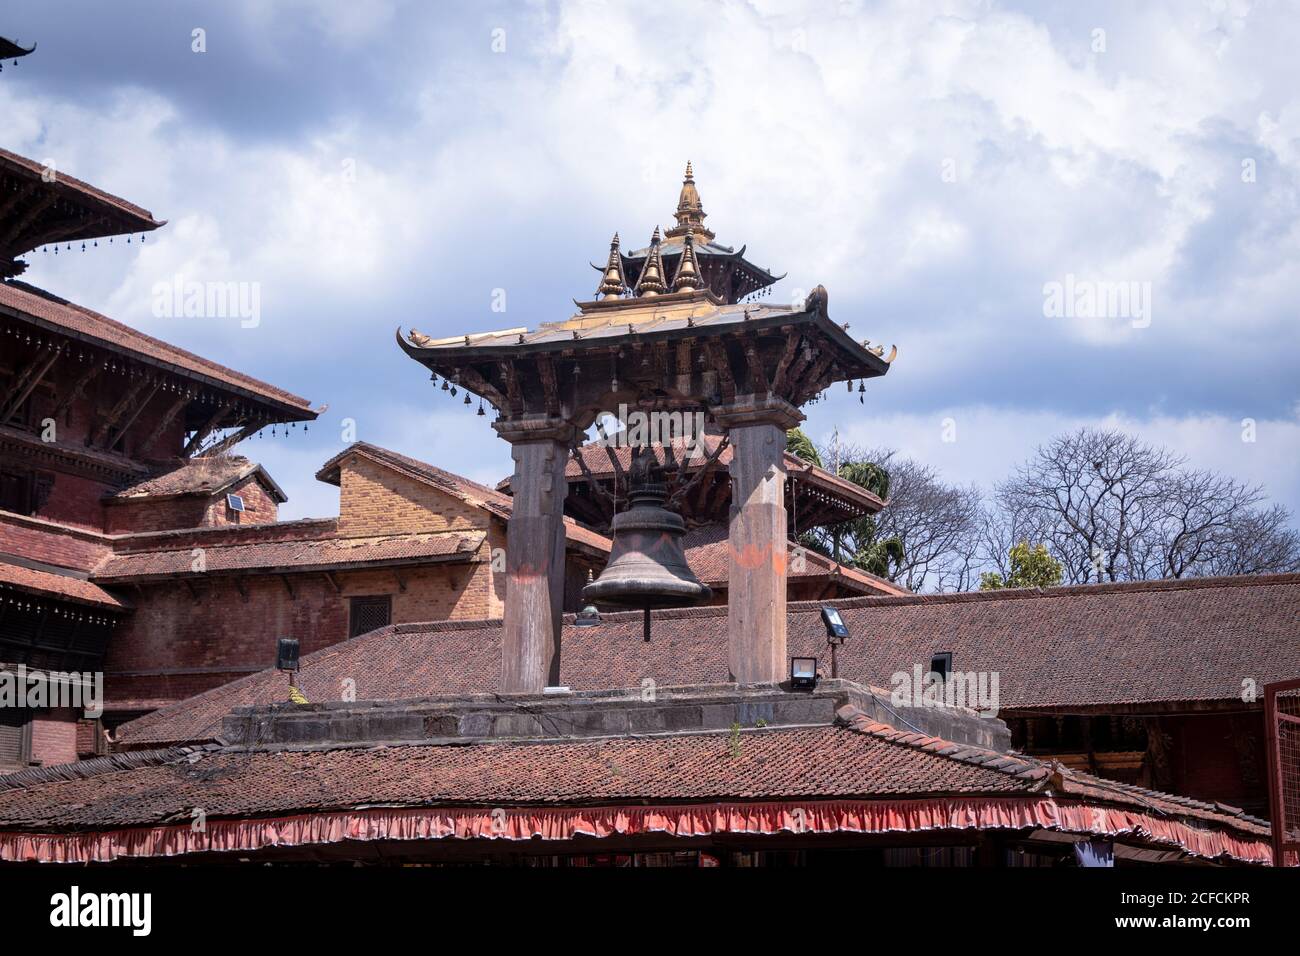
(756, 593)
(530, 645)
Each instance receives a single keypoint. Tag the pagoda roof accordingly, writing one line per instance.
(45, 312)
(37, 208)
(675, 315)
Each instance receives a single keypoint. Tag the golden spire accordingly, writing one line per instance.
(614, 284)
(688, 270)
(690, 211)
(651, 281)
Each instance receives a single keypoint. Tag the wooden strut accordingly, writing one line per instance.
(172, 411)
(27, 383)
(21, 225)
(596, 488)
(14, 201)
(709, 463)
(206, 429)
(78, 387)
(125, 402)
(233, 439)
(139, 407)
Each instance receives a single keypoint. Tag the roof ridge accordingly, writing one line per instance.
(1067, 590)
(1012, 765)
(98, 766)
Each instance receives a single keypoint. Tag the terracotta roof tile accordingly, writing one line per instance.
(197, 476)
(1077, 647)
(709, 555)
(773, 763)
(292, 555)
(62, 586)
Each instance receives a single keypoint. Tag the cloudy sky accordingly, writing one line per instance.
(935, 165)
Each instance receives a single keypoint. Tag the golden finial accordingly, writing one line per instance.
(614, 284)
(688, 270)
(651, 281)
(690, 211)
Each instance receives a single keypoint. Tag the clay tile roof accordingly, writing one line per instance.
(291, 555)
(65, 587)
(28, 302)
(1140, 645)
(198, 476)
(471, 492)
(709, 555)
(774, 763)
(135, 217)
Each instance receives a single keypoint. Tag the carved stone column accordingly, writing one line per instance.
(530, 645)
(756, 591)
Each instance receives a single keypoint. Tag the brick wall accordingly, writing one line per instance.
(42, 541)
(54, 737)
(376, 500)
(259, 506)
(174, 645)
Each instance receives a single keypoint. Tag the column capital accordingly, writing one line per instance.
(757, 410)
(548, 428)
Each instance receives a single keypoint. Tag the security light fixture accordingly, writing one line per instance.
(803, 673)
(837, 631)
(941, 664)
(286, 654)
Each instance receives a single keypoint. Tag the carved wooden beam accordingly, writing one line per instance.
(139, 407)
(787, 356)
(477, 383)
(26, 384)
(546, 370)
(77, 389)
(172, 411)
(123, 404)
(18, 198)
(718, 359)
(206, 429)
(514, 394)
(57, 233)
(811, 383)
(28, 218)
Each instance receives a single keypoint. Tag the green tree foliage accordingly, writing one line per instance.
(855, 543)
(1031, 567)
(798, 443)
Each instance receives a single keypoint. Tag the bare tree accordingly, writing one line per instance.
(1111, 507)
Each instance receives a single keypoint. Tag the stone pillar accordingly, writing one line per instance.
(530, 644)
(758, 536)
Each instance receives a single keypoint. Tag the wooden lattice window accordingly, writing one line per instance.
(368, 613)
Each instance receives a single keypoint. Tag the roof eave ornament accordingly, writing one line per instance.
(688, 269)
(614, 283)
(651, 281)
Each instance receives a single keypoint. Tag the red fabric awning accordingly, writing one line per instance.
(557, 824)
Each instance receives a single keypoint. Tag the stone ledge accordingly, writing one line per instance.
(588, 714)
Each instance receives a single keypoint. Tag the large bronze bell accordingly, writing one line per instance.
(647, 567)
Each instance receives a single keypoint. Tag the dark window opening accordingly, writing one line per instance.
(15, 738)
(368, 613)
